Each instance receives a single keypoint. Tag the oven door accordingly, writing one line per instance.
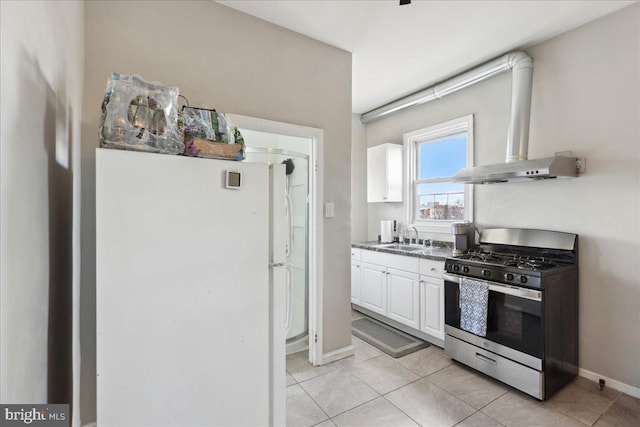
(514, 320)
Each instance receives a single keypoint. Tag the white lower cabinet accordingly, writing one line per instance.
(432, 306)
(355, 283)
(373, 287)
(405, 289)
(403, 294)
(355, 275)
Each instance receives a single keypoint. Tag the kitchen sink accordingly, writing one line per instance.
(399, 247)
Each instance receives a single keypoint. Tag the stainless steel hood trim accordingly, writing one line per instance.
(525, 170)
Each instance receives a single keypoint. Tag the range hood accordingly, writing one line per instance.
(516, 166)
(523, 170)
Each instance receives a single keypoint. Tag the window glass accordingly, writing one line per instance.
(440, 201)
(433, 156)
(443, 157)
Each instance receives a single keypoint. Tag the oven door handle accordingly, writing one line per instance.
(496, 287)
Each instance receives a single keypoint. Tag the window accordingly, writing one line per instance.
(432, 156)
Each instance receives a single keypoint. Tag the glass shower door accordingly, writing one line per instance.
(297, 224)
(298, 190)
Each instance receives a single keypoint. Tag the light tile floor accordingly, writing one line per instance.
(426, 388)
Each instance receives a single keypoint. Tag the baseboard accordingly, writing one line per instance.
(338, 354)
(91, 424)
(617, 385)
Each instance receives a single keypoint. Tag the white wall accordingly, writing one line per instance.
(585, 99)
(489, 104)
(237, 64)
(42, 80)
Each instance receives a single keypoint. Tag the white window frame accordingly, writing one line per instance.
(432, 133)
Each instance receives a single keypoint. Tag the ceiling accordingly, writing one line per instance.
(398, 50)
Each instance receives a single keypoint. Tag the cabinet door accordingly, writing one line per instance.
(403, 296)
(432, 306)
(384, 173)
(394, 173)
(376, 174)
(355, 283)
(373, 287)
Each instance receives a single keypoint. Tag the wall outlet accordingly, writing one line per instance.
(581, 164)
(329, 210)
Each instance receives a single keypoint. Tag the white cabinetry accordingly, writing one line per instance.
(373, 287)
(403, 297)
(431, 301)
(384, 173)
(432, 298)
(389, 285)
(355, 276)
(402, 289)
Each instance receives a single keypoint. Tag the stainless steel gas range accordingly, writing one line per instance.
(511, 308)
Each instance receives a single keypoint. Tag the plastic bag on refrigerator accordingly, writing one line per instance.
(140, 115)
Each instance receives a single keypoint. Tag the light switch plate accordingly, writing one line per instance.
(329, 210)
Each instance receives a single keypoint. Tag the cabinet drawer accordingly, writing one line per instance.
(355, 254)
(399, 262)
(430, 267)
(519, 376)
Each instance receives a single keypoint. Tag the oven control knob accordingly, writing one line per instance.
(456, 268)
(523, 279)
(508, 276)
(486, 273)
(465, 269)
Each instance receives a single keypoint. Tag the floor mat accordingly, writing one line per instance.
(385, 338)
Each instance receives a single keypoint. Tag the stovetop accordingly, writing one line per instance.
(530, 262)
(511, 265)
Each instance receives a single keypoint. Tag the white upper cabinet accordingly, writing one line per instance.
(384, 173)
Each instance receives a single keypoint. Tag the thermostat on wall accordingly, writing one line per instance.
(233, 180)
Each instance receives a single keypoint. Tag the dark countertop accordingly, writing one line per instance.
(439, 252)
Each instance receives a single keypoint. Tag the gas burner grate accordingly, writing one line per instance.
(531, 263)
(481, 255)
(522, 262)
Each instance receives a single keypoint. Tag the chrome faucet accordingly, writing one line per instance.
(414, 229)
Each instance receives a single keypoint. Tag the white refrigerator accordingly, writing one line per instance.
(190, 293)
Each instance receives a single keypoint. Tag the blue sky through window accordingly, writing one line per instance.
(441, 158)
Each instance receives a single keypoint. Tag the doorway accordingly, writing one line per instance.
(296, 224)
(300, 148)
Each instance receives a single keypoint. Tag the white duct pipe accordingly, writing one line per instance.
(518, 136)
(521, 66)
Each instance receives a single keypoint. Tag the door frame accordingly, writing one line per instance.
(316, 166)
